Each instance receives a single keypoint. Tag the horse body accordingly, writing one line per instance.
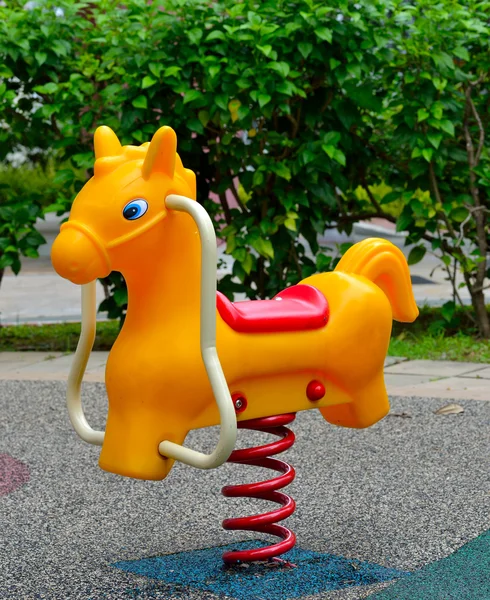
(156, 382)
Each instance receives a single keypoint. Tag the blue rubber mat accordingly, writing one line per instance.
(464, 575)
(314, 573)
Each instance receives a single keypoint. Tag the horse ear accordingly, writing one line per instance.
(190, 177)
(106, 142)
(160, 156)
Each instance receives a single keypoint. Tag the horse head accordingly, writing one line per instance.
(124, 199)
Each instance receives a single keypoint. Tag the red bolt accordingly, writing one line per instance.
(239, 402)
(315, 390)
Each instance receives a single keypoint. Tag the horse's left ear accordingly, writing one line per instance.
(160, 156)
(106, 142)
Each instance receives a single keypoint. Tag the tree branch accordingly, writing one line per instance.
(481, 130)
(437, 193)
(473, 159)
(225, 207)
(234, 191)
(374, 202)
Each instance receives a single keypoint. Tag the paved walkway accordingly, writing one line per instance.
(417, 378)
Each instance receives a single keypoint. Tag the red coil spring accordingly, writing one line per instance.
(266, 490)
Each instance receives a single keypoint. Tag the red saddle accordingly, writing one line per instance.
(296, 308)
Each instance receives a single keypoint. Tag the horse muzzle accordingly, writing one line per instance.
(79, 255)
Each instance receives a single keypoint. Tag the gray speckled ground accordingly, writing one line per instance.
(403, 493)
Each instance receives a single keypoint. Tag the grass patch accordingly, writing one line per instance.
(439, 336)
(439, 347)
(430, 337)
(61, 337)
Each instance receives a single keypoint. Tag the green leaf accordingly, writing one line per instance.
(147, 82)
(422, 114)
(264, 247)
(329, 150)
(416, 255)
(65, 176)
(459, 214)
(49, 88)
(442, 61)
(390, 197)
(195, 35)
(334, 153)
(140, 102)
(447, 126)
(258, 178)
(355, 70)
(247, 263)
(363, 95)
(281, 170)
(192, 95)
(40, 57)
(60, 47)
(427, 154)
(323, 262)
(265, 49)
(403, 222)
(435, 139)
(462, 53)
(334, 63)
(195, 125)
(447, 310)
(305, 49)
(264, 99)
(121, 296)
(230, 244)
(437, 110)
(324, 34)
(156, 69)
(171, 71)
(286, 87)
(203, 116)
(216, 34)
(221, 100)
(339, 156)
(280, 67)
(239, 254)
(331, 138)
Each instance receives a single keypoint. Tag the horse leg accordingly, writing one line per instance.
(133, 434)
(369, 404)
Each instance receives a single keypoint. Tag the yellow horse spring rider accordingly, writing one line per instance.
(186, 357)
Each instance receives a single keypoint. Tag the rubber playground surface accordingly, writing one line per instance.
(399, 511)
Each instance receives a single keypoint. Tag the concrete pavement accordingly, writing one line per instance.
(415, 378)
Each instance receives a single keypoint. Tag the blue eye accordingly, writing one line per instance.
(135, 209)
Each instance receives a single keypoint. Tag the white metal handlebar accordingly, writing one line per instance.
(78, 366)
(228, 430)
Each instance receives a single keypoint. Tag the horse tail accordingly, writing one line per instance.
(385, 265)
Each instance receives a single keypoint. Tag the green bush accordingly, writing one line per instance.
(300, 102)
(28, 183)
(25, 194)
(274, 94)
(431, 139)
